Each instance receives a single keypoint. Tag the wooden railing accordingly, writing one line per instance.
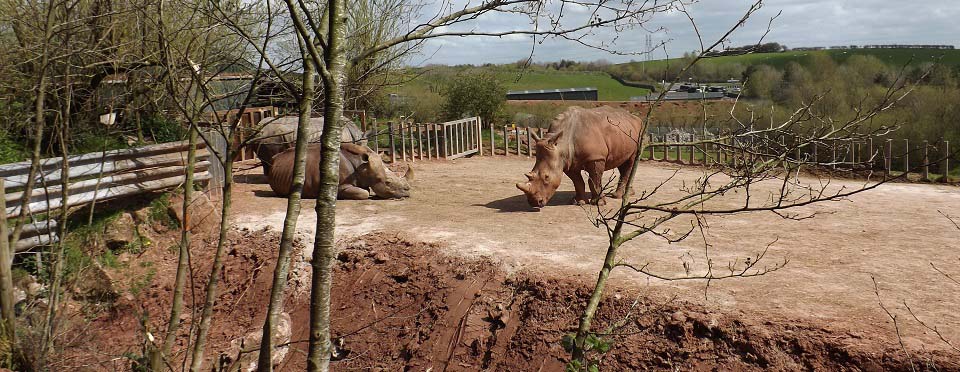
(93, 178)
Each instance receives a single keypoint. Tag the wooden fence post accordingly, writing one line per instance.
(420, 140)
(376, 137)
(403, 143)
(816, 157)
(888, 157)
(529, 139)
(493, 143)
(945, 162)
(429, 141)
(506, 141)
(926, 161)
(833, 154)
(480, 135)
(516, 132)
(436, 139)
(393, 144)
(870, 156)
(906, 156)
(679, 156)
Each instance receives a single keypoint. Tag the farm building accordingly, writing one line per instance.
(679, 96)
(565, 94)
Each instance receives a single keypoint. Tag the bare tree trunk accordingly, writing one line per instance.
(39, 121)
(324, 249)
(57, 271)
(6, 275)
(196, 362)
(177, 307)
(281, 271)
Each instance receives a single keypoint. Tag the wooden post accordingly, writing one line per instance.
(906, 156)
(480, 135)
(679, 157)
(376, 137)
(436, 139)
(833, 154)
(529, 141)
(693, 154)
(493, 143)
(926, 161)
(888, 157)
(516, 131)
(420, 140)
(870, 156)
(403, 143)
(393, 144)
(429, 142)
(816, 159)
(944, 162)
(506, 141)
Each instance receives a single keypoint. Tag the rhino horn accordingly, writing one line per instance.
(531, 176)
(536, 137)
(525, 187)
(409, 175)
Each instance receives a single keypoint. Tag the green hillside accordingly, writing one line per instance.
(891, 56)
(528, 79)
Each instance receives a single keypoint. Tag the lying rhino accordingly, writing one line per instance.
(361, 170)
(592, 140)
(278, 134)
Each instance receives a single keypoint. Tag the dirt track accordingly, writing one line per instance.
(892, 233)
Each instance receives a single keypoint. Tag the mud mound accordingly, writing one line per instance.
(400, 304)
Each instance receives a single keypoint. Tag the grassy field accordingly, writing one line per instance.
(897, 57)
(530, 79)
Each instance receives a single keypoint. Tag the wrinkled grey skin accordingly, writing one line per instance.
(361, 171)
(279, 134)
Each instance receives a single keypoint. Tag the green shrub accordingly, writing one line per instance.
(162, 129)
(474, 94)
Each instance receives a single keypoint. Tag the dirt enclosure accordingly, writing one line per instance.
(472, 209)
(463, 276)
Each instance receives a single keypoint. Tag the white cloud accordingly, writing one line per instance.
(802, 23)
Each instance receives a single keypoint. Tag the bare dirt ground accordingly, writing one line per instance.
(471, 208)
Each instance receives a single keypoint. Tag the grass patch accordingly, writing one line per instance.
(158, 212)
(137, 285)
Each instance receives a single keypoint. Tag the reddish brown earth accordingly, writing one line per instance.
(463, 276)
(401, 304)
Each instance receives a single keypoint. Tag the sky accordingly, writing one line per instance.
(801, 23)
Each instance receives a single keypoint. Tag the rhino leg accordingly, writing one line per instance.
(622, 187)
(595, 172)
(580, 197)
(351, 192)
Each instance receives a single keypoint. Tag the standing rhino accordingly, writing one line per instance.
(361, 170)
(278, 134)
(593, 140)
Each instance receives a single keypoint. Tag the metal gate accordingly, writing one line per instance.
(461, 137)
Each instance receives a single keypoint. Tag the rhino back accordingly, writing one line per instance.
(280, 178)
(599, 133)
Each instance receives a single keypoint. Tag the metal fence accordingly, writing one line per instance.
(407, 141)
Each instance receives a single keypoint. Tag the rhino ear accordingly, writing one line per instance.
(409, 175)
(552, 138)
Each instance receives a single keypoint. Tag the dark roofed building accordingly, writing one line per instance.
(565, 94)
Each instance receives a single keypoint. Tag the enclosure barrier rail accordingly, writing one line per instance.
(93, 177)
(408, 141)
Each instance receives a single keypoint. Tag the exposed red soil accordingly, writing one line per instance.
(401, 304)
